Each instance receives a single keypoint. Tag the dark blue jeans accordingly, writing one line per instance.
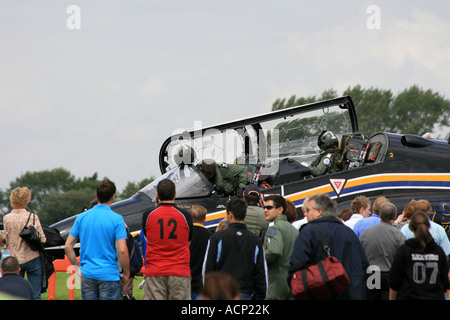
(92, 289)
(34, 271)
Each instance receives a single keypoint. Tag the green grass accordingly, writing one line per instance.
(62, 291)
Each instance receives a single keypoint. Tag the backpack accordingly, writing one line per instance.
(53, 236)
(136, 259)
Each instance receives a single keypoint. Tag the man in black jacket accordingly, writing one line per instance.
(12, 283)
(197, 248)
(238, 252)
(342, 241)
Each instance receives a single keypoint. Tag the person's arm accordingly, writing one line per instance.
(400, 218)
(273, 245)
(319, 168)
(242, 178)
(222, 225)
(209, 259)
(124, 258)
(70, 252)
(397, 274)
(261, 276)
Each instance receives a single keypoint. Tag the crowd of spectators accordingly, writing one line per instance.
(252, 254)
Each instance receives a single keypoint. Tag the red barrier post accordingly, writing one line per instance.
(62, 265)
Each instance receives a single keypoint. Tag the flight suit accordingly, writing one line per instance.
(325, 163)
(278, 244)
(229, 178)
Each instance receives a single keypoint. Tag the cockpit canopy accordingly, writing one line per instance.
(261, 140)
(189, 183)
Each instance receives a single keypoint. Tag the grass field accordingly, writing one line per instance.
(62, 291)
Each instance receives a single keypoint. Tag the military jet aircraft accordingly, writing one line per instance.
(277, 147)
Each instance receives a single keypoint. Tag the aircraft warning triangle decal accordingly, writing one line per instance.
(338, 185)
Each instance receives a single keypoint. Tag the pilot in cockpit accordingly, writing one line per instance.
(227, 179)
(326, 161)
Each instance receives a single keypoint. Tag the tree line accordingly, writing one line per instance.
(411, 111)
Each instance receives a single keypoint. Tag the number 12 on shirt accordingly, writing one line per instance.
(167, 227)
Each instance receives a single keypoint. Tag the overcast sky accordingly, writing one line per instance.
(99, 90)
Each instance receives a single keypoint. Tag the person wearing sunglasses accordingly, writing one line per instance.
(278, 244)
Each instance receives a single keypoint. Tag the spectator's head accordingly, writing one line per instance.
(420, 225)
(361, 205)
(198, 213)
(378, 203)
(20, 197)
(2, 239)
(238, 208)
(93, 203)
(274, 206)
(10, 265)
(278, 201)
(410, 209)
(166, 190)
(320, 205)
(305, 205)
(424, 205)
(388, 212)
(291, 211)
(345, 214)
(106, 191)
(251, 194)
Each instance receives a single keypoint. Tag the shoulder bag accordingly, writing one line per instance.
(31, 236)
(322, 281)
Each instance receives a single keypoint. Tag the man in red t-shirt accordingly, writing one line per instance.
(168, 231)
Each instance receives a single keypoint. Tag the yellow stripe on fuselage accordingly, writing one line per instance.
(216, 215)
(356, 182)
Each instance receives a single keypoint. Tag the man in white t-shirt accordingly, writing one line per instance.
(361, 209)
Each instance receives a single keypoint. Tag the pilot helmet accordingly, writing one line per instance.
(185, 155)
(326, 140)
(208, 168)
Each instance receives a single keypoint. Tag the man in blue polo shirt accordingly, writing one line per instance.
(374, 219)
(103, 246)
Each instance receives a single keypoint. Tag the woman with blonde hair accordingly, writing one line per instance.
(29, 259)
(420, 268)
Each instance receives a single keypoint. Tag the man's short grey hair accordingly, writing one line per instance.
(305, 202)
(388, 211)
(323, 202)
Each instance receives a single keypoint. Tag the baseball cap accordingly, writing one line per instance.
(251, 188)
